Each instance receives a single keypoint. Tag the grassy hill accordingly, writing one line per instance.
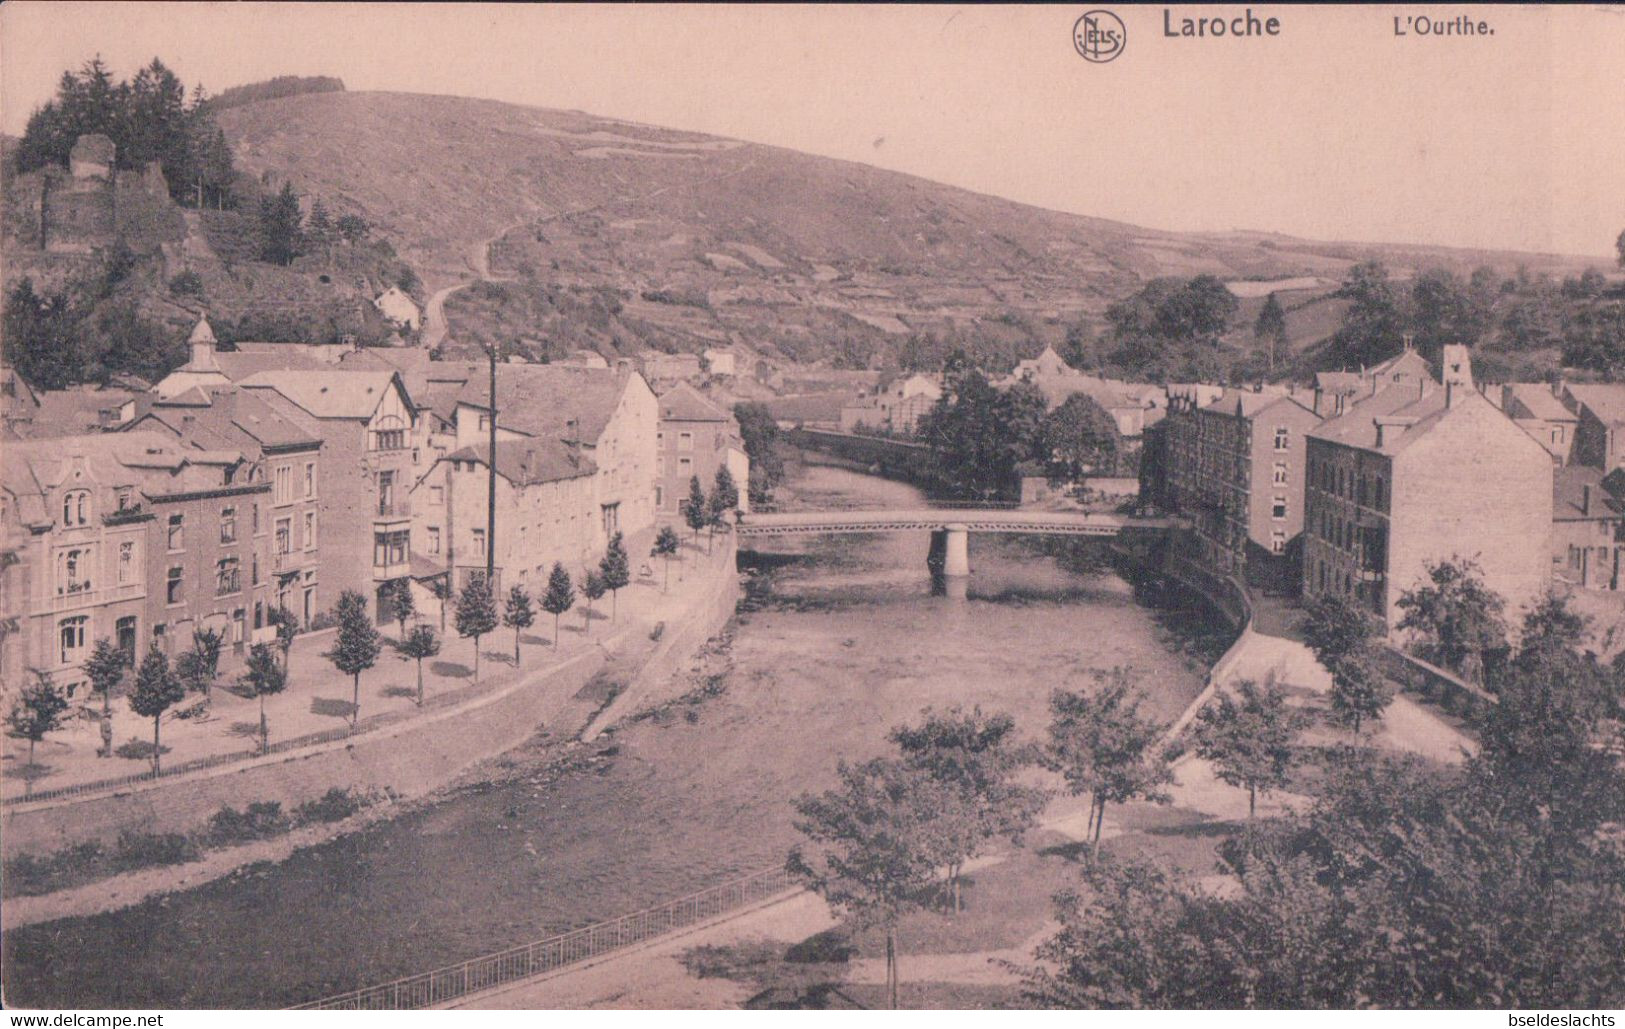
(616, 236)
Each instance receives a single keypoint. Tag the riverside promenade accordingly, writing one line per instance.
(396, 749)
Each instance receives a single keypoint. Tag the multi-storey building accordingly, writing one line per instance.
(1599, 431)
(278, 451)
(1540, 411)
(576, 459)
(369, 461)
(1587, 527)
(127, 536)
(1419, 474)
(695, 438)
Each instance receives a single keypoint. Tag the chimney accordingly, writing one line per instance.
(1449, 394)
(1585, 500)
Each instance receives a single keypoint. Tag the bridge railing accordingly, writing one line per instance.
(545, 955)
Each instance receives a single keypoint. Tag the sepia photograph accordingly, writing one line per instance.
(700, 507)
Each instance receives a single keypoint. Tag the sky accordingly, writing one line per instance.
(1335, 128)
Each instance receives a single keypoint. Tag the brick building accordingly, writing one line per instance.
(1421, 474)
(695, 438)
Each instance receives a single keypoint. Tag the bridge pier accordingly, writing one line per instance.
(955, 551)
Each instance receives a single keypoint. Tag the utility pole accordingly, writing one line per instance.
(491, 490)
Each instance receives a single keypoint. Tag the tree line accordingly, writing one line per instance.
(148, 117)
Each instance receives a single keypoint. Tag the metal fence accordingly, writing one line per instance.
(554, 952)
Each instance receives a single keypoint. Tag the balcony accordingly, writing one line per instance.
(83, 598)
(394, 570)
(398, 510)
(284, 561)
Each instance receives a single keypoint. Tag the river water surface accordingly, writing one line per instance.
(839, 640)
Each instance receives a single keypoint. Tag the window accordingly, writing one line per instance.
(259, 614)
(437, 495)
(283, 539)
(73, 571)
(227, 577)
(386, 493)
(172, 588)
(1280, 473)
(389, 548)
(256, 519)
(177, 533)
(228, 525)
(434, 539)
(1282, 438)
(685, 441)
(1278, 508)
(310, 530)
(660, 495)
(254, 564)
(75, 507)
(71, 635)
(1278, 542)
(479, 542)
(310, 478)
(283, 487)
(125, 500)
(126, 563)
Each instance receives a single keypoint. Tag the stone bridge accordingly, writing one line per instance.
(950, 527)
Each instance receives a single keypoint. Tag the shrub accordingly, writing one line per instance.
(262, 819)
(143, 850)
(29, 875)
(322, 620)
(187, 284)
(335, 805)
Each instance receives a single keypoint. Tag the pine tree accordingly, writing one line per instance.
(319, 230)
(156, 690)
(280, 235)
(37, 712)
(263, 677)
(724, 492)
(592, 587)
(476, 614)
(419, 644)
(357, 645)
(616, 571)
(696, 511)
(518, 615)
(105, 670)
(666, 544)
(559, 598)
(1271, 327)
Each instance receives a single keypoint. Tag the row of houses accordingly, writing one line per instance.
(1355, 485)
(277, 476)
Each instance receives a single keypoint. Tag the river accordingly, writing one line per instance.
(840, 639)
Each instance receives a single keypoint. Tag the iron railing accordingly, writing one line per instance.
(545, 955)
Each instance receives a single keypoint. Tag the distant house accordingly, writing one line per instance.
(662, 369)
(92, 157)
(1598, 437)
(696, 437)
(1539, 410)
(584, 359)
(1586, 529)
(398, 308)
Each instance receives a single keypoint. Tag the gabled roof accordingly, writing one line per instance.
(1538, 400)
(73, 412)
(1251, 403)
(150, 461)
(1357, 427)
(530, 462)
(684, 403)
(540, 399)
(1605, 400)
(333, 393)
(233, 417)
(1569, 484)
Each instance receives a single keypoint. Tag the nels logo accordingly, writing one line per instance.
(1099, 36)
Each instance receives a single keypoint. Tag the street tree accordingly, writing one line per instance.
(616, 571)
(105, 670)
(1104, 747)
(356, 646)
(559, 598)
(287, 628)
(518, 614)
(420, 643)
(262, 677)
(1361, 691)
(1249, 738)
(696, 509)
(1343, 638)
(37, 711)
(1080, 437)
(476, 614)
(869, 851)
(403, 603)
(724, 492)
(199, 666)
(666, 544)
(592, 587)
(157, 688)
(1457, 615)
(442, 593)
(974, 757)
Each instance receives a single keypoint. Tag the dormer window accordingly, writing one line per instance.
(75, 507)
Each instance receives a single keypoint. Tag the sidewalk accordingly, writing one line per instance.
(319, 698)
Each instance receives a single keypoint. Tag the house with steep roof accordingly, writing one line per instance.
(696, 438)
(1420, 474)
(1540, 411)
(606, 420)
(1599, 431)
(394, 304)
(1587, 529)
(370, 458)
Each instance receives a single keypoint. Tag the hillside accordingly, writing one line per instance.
(615, 236)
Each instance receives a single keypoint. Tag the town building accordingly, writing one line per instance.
(126, 536)
(695, 439)
(1588, 527)
(1420, 474)
(583, 468)
(1539, 410)
(719, 361)
(278, 450)
(1599, 431)
(395, 305)
(368, 426)
(897, 407)
(1335, 392)
(661, 370)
